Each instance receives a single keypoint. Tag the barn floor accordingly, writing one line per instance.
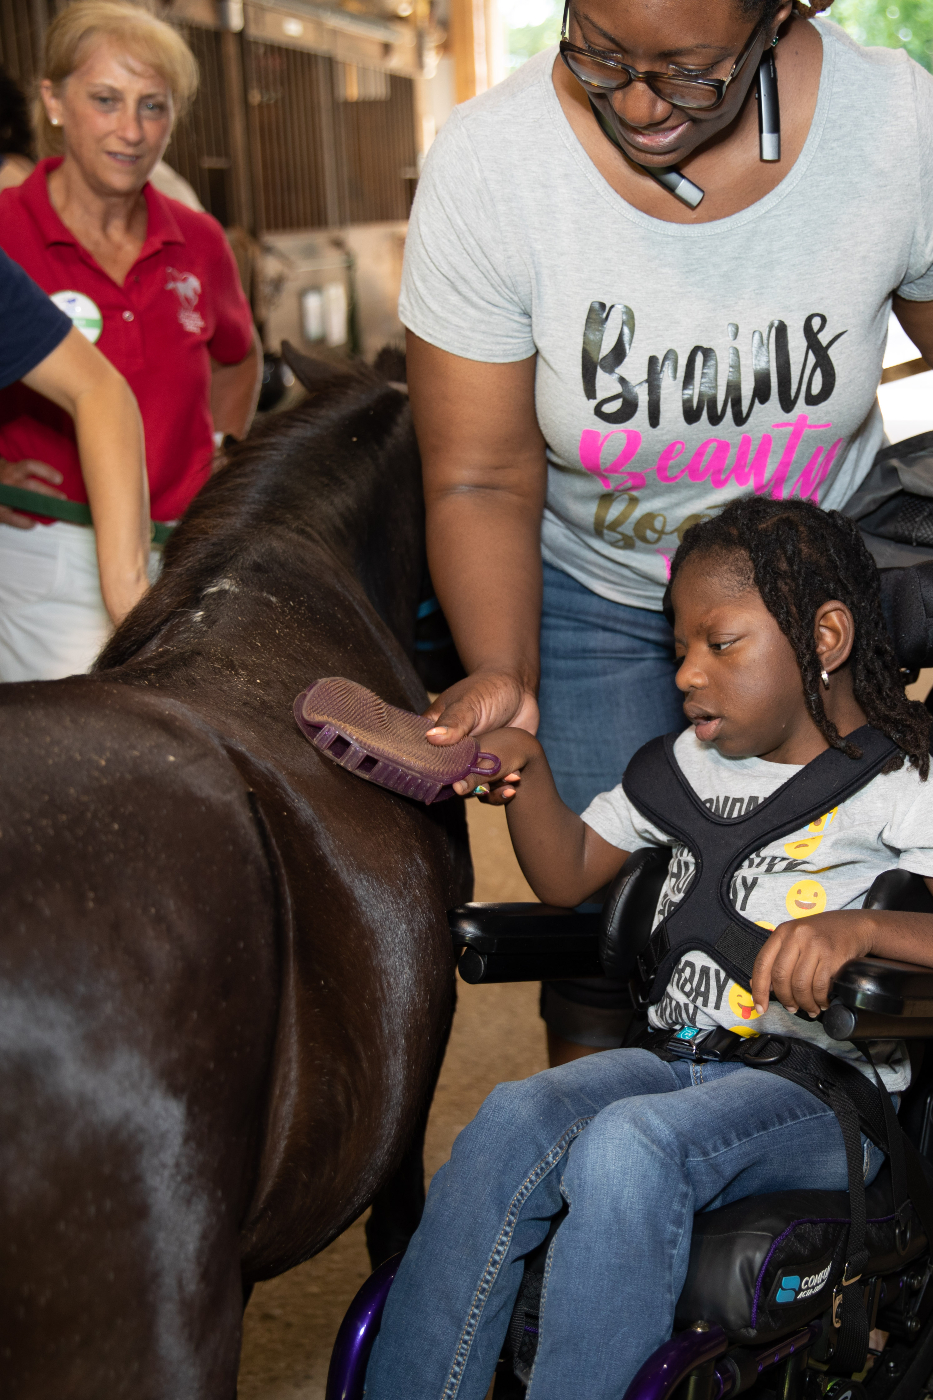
(291, 1321)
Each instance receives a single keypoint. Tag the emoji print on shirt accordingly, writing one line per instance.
(800, 850)
(805, 898)
(741, 1004)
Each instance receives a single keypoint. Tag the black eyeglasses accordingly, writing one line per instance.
(602, 72)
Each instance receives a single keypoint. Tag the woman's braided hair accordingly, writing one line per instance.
(801, 556)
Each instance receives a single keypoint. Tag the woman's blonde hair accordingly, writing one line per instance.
(74, 32)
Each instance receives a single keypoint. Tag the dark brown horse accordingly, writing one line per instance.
(225, 975)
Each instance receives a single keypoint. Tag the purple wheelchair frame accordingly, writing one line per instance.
(346, 1375)
(660, 1376)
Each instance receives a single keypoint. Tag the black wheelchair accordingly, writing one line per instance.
(758, 1314)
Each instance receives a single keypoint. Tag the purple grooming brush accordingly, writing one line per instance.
(353, 727)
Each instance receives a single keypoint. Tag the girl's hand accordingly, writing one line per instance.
(481, 702)
(802, 956)
(515, 749)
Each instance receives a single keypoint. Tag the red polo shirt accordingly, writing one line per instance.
(180, 305)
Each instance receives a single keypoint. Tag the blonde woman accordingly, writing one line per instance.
(151, 283)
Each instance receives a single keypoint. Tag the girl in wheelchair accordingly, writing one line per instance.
(784, 657)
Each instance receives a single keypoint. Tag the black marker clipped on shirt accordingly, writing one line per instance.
(769, 112)
(680, 187)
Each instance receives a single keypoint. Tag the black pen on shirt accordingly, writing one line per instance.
(769, 112)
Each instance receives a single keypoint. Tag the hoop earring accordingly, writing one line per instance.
(769, 109)
(824, 678)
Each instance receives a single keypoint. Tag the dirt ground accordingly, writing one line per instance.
(291, 1321)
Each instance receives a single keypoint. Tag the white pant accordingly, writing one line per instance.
(52, 617)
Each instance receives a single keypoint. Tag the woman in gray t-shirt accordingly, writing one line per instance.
(595, 365)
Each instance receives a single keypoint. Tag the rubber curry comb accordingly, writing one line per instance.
(349, 724)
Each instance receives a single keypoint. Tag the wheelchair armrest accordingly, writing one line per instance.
(524, 942)
(629, 909)
(899, 889)
(877, 999)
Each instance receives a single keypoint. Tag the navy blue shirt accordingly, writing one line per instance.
(31, 325)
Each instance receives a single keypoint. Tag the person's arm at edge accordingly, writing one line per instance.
(917, 319)
(235, 391)
(111, 446)
(485, 478)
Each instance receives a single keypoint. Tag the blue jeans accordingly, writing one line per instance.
(634, 1146)
(607, 686)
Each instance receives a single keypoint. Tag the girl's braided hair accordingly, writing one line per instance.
(799, 557)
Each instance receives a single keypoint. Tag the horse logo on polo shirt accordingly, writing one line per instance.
(187, 287)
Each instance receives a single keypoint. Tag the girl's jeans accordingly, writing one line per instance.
(634, 1146)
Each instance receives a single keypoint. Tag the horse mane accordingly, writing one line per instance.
(308, 471)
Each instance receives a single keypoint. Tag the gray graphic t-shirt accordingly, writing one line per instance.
(679, 365)
(830, 864)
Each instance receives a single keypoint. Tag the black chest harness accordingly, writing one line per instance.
(706, 919)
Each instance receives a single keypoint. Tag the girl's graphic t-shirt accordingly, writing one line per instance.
(679, 365)
(829, 864)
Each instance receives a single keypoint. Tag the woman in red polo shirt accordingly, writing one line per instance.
(151, 282)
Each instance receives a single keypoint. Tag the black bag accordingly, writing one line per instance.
(894, 510)
(894, 504)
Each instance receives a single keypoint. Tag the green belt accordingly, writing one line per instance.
(36, 503)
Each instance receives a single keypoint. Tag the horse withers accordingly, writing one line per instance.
(225, 972)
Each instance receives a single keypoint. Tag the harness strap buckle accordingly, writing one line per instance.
(689, 1043)
(766, 1050)
(838, 1296)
